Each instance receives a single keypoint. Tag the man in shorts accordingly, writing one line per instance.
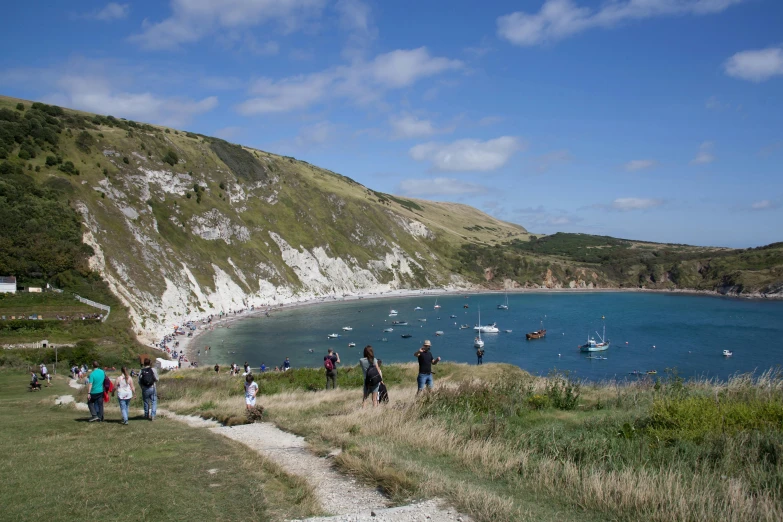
(251, 389)
(426, 361)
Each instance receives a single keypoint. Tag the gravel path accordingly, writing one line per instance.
(427, 511)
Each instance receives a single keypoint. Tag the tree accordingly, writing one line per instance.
(84, 141)
(20, 106)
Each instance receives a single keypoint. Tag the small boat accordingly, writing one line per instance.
(351, 345)
(406, 336)
(392, 311)
(504, 306)
(592, 346)
(423, 320)
(347, 329)
(538, 334)
(400, 323)
(393, 315)
(487, 328)
(384, 340)
(417, 309)
(636, 372)
(465, 306)
(452, 317)
(436, 304)
(464, 327)
(439, 332)
(333, 336)
(652, 372)
(478, 342)
(507, 331)
(727, 353)
(388, 329)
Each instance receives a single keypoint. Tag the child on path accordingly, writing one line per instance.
(251, 389)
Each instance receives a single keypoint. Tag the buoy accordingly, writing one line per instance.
(558, 355)
(626, 342)
(653, 346)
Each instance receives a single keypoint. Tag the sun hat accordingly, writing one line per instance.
(427, 343)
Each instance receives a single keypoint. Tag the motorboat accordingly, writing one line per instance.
(487, 328)
(507, 331)
(400, 323)
(351, 345)
(424, 320)
(464, 327)
(392, 311)
(347, 329)
(406, 336)
(727, 353)
(439, 332)
(652, 372)
(417, 309)
(388, 329)
(333, 336)
(592, 346)
(452, 316)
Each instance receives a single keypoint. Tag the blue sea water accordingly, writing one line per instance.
(648, 331)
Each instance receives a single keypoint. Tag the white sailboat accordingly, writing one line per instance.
(436, 304)
(505, 305)
(478, 342)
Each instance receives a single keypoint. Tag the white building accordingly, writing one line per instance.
(8, 285)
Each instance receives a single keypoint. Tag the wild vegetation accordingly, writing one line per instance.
(611, 262)
(503, 445)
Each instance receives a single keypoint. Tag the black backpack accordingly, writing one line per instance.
(383, 394)
(147, 378)
(373, 377)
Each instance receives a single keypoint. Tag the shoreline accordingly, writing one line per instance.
(186, 344)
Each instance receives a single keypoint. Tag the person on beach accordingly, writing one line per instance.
(125, 391)
(262, 369)
(426, 361)
(331, 360)
(372, 375)
(149, 390)
(251, 389)
(286, 365)
(480, 355)
(95, 392)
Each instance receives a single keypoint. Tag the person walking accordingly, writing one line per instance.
(251, 389)
(372, 375)
(95, 392)
(45, 375)
(480, 355)
(331, 360)
(426, 361)
(286, 365)
(125, 390)
(149, 391)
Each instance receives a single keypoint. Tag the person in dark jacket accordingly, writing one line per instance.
(426, 362)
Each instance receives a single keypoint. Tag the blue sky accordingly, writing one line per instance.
(648, 119)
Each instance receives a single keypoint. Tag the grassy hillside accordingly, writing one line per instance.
(502, 445)
(577, 260)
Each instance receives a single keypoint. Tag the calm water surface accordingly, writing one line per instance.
(647, 332)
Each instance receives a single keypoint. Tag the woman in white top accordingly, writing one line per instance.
(125, 391)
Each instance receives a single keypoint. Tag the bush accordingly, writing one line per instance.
(51, 161)
(125, 160)
(84, 141)
(24, 154)
(69, 168)
(171, 158)
(20, 106)
(563, 392)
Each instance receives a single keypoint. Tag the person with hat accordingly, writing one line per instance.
(426, 361)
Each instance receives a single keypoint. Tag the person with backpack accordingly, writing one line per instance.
(372, 375)
(149, 392)
(426, 361)
(331, 360)
(480, 356)
(125, 391)
(95, 391)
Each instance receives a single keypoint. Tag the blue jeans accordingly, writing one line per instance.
(124, 403)
(424, 379)
(96, 405)
(150, 398)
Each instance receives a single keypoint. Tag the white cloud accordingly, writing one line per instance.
(406, 126)
(764, 204)
(439, 186)
(559, 19)
(112, 11)
(756, 66)
(468, 154)
(191, 20)
(546, 161)
(636, 165)
(705, 154)
(626, 204)
(361, 82)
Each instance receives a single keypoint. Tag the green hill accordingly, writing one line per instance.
(172, 225)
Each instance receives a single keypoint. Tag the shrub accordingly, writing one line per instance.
(538, 402)
(171, 158)
(222, 186)
(69, 168)
(51, 161)
(84, 141)
(38, 168)
(125, 160)
(105, 172)
(563, 392)
(20, 106)
(24, 154)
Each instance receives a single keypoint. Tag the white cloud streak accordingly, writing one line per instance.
(112, 11)
(439, 187)
(192, 20)
(361, 82)
(468, 154)
(628, 204)
(764, 204)
(705, 154)
(756, 66)
(560, 19)
(637, 165)
(406, 126)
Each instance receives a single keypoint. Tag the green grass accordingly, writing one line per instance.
(58, 467)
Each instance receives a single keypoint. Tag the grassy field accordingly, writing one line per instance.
(505, 446)
(56, 466)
